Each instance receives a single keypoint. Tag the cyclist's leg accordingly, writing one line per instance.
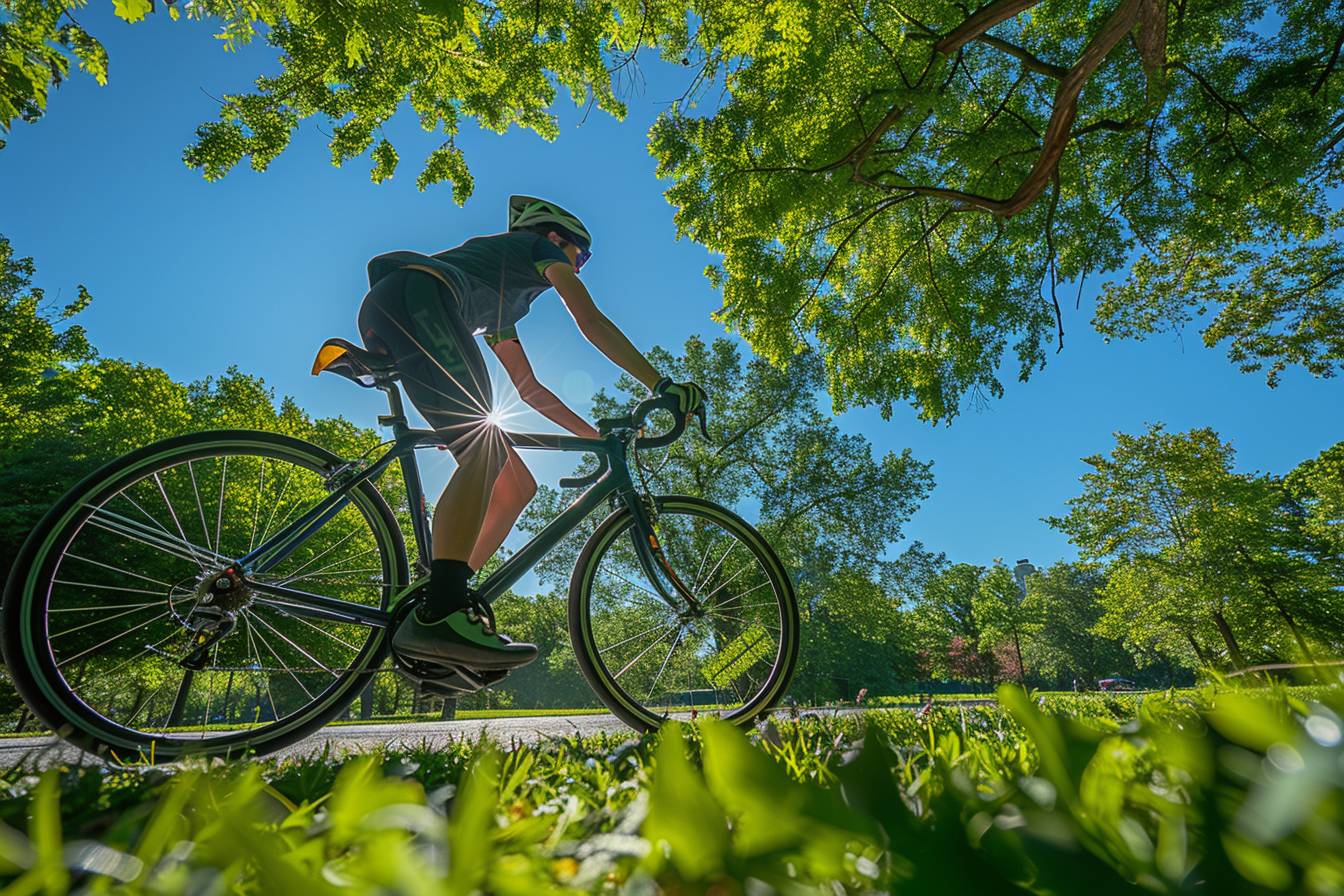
(514, 488)
(411, 316)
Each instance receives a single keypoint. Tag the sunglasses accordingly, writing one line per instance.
(581, 259)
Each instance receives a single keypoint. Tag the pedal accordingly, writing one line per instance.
(452, 681)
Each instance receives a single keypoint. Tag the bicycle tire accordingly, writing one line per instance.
(23, 619)
(604, 682)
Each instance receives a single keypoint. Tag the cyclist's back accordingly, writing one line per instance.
(494, 278)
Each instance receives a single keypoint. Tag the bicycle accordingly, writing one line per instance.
(230, 592)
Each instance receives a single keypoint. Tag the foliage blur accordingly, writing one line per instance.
(1213, 791)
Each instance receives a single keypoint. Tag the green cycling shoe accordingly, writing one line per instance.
(466, 637)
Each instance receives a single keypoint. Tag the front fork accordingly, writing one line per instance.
(652, 559)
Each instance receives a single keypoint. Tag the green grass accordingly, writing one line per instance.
(1216, 791)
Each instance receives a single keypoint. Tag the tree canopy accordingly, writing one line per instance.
(903, 186)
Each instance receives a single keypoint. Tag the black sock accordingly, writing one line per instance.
(447, 591)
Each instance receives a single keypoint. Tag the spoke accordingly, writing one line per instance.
(291, 576)
(275, 713)
(730, 601)
(176, 522)
(657, 598)
(256, 505)
(704, 558)
(119, 570)
(739, 619)
(219, 504)
(200, 508)
(284, 666)
(276, 506)
(307, 623)
(144, 704)
(100, 607)
(104, 644)
(625, 641)
(158, 594)
(675, 641)
(124, 494)
(284, 638)
(101, 620)
(640, 655)
(709, 577)
(726, 581)
(138, 532)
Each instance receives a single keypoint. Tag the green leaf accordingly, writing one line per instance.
(682, 813)
(132, 10)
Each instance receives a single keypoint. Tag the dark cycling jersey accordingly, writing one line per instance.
(494, 278)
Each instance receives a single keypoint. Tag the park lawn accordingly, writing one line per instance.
(1210, 791)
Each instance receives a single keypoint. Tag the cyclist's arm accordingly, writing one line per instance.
(544, 401)
(597, 328)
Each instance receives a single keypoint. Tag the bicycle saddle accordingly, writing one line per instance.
(356, 364)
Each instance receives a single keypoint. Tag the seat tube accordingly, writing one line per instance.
(410, 473)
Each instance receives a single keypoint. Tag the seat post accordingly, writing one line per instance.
(397, 416)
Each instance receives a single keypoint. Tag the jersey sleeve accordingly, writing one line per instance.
(499, 336)
(546, 253)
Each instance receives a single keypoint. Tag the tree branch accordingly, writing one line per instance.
(980, 21)
(1029, 60)
(1329, 66)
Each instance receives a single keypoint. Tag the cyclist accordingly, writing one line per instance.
(424, 311)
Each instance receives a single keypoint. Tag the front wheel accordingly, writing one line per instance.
(648, 659)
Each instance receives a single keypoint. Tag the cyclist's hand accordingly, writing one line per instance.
(689, 396)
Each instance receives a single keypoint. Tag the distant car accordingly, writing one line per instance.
(1116, 684)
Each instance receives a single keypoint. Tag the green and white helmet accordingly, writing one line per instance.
(527, 212)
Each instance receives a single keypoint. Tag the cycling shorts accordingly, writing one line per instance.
(413, 317)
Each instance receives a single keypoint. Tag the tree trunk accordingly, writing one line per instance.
(1200, 653)
(23, 720)
(1021, 666)
(1233, 649)
(449, 709)
(228, 695)
(366, 702)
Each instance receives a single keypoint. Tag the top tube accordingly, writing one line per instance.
(546, 441)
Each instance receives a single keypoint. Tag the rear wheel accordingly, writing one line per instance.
(649, 660)
(113, 589)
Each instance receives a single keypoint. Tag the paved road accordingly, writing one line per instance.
(46, 750)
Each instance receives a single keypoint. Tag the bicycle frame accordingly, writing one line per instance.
(614, 481)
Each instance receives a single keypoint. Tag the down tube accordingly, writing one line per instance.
(527, 556)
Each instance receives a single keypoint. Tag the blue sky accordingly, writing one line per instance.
(258, 269)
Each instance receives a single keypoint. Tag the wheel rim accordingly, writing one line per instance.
(655, 661)
(125, 571)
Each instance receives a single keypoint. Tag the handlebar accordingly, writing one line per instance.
(640, 414)
(635, 421)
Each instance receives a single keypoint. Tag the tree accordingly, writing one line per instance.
(1066, 599)
(947, 630)
(1318, 487)
(904, 188)
(1004, 616)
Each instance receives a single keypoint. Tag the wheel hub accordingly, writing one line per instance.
(225, 590)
